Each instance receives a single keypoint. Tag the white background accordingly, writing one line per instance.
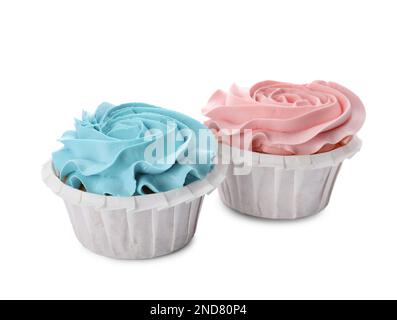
(58, 57)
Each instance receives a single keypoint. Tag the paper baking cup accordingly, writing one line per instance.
(282, 187)
(138, 227)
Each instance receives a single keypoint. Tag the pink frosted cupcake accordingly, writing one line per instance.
(286, 144)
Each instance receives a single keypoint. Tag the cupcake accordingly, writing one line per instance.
(133, 178)
(285, 144)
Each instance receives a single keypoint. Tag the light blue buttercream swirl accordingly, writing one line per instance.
(108, 152)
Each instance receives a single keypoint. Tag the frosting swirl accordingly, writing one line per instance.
(107, 153)
(287, 119)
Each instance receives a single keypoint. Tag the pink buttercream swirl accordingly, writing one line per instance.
(285, 118)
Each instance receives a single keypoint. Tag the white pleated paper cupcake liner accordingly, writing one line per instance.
(282, 187)
(139, 227)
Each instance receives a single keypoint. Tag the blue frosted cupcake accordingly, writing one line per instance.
(133, 178)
